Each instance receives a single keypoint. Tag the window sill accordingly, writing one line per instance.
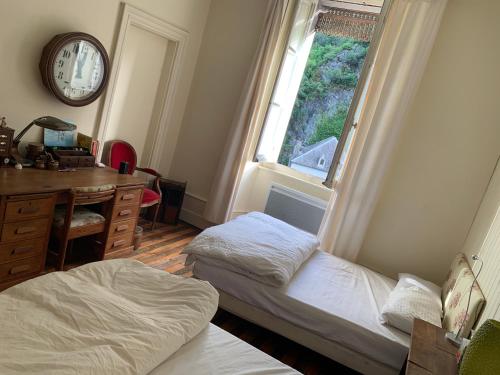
(296, 175)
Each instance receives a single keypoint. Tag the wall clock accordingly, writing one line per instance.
(75, 68)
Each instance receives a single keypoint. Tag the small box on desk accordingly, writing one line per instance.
(73, 158)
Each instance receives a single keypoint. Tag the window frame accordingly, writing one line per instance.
(349, 123)
(363, 80)
(308, 31)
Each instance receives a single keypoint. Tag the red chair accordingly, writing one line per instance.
(122, 151)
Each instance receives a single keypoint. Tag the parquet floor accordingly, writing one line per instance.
(161, 249)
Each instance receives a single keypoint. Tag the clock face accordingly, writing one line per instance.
(75, 68)
(78, 70)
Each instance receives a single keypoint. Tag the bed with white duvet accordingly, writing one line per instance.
(265, 275)
(119, 317)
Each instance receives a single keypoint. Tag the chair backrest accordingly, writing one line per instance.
(122, 151)
(92, 194)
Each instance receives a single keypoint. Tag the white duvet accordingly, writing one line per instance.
(111, 317)
(255, 245)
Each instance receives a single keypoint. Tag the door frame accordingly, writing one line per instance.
(134, 17)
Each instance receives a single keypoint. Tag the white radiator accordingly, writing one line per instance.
(295, 208)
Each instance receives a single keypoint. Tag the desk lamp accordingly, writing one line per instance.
(46, 122)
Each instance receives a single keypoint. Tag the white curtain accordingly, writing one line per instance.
(252, 104)
(405, 46)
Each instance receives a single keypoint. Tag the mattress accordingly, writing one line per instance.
(331, 297)
(215, 351)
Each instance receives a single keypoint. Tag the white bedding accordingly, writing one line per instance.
(328, 296)
(256, 245)
(217, 352)
(111, 317)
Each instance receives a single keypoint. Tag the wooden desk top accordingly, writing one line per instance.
(430, 352)
(32, 181)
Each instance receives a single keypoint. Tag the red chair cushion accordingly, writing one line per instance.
(149, 196)
(122, 151)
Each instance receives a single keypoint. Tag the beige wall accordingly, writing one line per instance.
(484, 240)
(27, 25)
(229, 43)
(447, 151)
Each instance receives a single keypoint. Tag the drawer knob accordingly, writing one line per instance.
(118, 243)
(21, 250)
(19, 269)
(121, 228)
(128, 197)
(28, 210)
(124, 212)
(24, 230)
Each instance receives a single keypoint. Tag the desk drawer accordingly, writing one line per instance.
(129, 197)
(20, 268)
(122, 227)
(24, 230)
(28, 209)
(120, 241)
(22, 249)
(124, 212)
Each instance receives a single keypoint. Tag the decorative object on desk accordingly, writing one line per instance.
(40, 164)
(6, 137)
(118, 151)
(88, 143)
(73, 157)
(34, 150)
(482, 356)
(53, 138)
(75, 68)
(460, 318)
(172, 198)
(53, 165)
(46, 161)
(123, 167)
(46, 122)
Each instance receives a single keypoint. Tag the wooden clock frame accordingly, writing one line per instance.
(47, 62)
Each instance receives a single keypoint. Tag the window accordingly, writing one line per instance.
(319, 87)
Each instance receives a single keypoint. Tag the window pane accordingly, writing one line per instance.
(322, 103)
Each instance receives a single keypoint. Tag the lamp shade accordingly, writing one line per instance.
(482, 355)
(53, 123)
(47, 122)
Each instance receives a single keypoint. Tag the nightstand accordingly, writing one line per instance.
(430, 353)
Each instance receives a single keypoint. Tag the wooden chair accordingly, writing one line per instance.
(74, 221)
(122, 151)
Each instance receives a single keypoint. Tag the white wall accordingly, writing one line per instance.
(27, 25)
(484, 240)
(447, 151)
(229, 43)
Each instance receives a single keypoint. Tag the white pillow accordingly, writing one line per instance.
(428, 286)
(408, 301)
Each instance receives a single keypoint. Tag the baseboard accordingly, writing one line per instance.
(194, 219)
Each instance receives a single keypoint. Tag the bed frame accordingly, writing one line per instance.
(330, 349)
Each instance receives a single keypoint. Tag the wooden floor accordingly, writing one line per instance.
(161, 249)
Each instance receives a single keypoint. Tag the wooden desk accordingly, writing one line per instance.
(27, 201)
(430, 353)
